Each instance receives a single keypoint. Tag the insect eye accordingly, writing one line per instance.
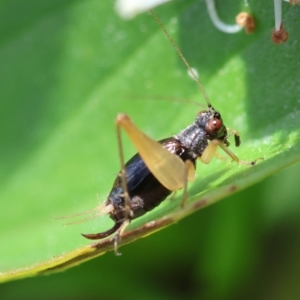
(213, 126)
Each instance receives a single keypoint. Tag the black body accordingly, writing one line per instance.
(145, 191)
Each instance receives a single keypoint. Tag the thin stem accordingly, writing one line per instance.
(278, 14)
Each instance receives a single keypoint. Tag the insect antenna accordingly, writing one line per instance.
(78, 214)
(100, 210)
(190, 69)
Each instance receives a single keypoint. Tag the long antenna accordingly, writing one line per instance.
(182, 57)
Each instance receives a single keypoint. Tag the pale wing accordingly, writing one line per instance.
(168, 168)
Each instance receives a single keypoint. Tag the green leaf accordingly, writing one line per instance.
(68, 68)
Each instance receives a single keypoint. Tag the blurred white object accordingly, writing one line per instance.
(193, 73)
(278, 14)
(127, 9)
(278, 11)
(218, 22)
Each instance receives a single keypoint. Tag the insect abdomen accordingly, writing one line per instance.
(145, 191)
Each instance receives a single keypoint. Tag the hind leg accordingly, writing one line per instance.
(189, 176)
(118, 236)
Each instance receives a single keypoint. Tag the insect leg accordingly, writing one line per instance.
(117, 237)
(167, 168)
(235, 158)
(209, 151)
(190, 176)
(128, 211)
(236, 134)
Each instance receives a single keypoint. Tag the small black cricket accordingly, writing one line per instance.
(161, 168)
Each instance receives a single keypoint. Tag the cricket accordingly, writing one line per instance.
(164, 167)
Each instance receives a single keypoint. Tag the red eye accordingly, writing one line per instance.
(213, 126)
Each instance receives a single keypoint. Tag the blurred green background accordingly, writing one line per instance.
(67, 68)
